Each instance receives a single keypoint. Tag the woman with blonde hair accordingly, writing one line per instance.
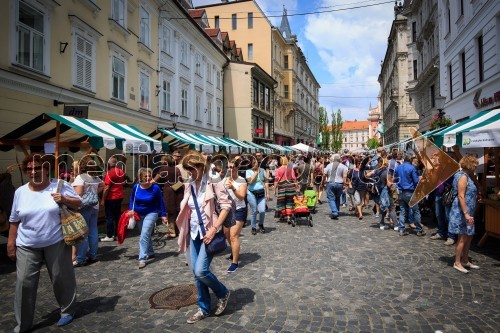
(285, 189)
(198, 223)
(146, 200)
(462, 212)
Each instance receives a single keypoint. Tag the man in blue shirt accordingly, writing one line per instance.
(407, 179)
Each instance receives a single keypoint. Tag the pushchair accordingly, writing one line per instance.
(301, 210)
(312, 199)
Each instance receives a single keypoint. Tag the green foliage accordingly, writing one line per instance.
(372, 143)
(323, 125)
(337, 136)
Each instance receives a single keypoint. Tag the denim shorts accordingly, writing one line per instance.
(241, 214)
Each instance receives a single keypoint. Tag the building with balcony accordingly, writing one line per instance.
(302, 87)
(295, 103)
(423, 59)
(397, 112)
(248, 92)
(469, 37)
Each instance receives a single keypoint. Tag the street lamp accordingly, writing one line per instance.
(440, 100)
(173, 118)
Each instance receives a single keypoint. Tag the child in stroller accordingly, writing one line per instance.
(301, 209)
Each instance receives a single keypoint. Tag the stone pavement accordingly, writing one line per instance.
(338, 276)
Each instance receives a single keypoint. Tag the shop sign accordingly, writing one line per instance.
(259, 130)
(485, 101)
(76, 110)
(479, 139)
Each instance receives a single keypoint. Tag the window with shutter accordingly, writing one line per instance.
(83, 63)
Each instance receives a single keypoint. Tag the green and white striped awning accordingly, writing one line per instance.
(482, 130)
(247, 147)
(98, 133)
(259, 147)
(180, 139)
(278, 147)
(203, 142)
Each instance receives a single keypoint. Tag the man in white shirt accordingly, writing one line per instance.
(335, 177)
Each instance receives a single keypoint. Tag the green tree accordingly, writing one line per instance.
(372, 143)
(323, 125)
(337, 136)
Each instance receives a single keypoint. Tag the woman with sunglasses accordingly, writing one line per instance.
(199, 201)
(35, 237)
(237, 188)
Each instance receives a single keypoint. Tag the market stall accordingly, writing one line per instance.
(481, 131)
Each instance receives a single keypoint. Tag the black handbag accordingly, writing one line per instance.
(259, 193)
(218, 243)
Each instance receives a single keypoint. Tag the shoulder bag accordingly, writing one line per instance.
(218, 243)
(73, 224)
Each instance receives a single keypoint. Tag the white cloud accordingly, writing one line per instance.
(351, 45)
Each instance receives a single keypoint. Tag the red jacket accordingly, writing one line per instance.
(122, 231)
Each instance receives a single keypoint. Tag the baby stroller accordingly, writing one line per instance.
(301, 210)
(312, 199)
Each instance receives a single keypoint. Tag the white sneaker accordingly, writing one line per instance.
(396, 228)
(108, 239)
(382, 227)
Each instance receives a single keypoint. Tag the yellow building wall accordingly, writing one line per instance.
(61, 64)
(237, 101)
(259, 36)
(20, 103)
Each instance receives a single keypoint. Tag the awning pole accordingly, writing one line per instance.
(58, 134)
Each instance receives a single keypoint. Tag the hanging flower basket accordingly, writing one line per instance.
(439, 122)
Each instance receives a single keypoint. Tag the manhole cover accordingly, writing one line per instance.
(175, 297)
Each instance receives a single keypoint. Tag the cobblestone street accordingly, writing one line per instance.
(338, 276)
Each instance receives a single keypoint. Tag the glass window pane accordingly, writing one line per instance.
(23, 54)
(121, 91)
(115, 86)
(31, 17)
(38, 52)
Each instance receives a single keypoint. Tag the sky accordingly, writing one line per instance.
(344, 49)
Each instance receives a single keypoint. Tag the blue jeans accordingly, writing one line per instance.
(404, 200)
(442, 217)
(113, 209)
(146, 225)
(256, 206)
(343, 200)
(91, 242)
(205, 279)
(333, 194)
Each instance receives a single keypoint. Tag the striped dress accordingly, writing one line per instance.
(285, 181)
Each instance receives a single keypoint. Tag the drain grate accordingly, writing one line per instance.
(175, 297)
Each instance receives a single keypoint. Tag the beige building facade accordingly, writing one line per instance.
(248, 91)
(397, 112)
(295, 103)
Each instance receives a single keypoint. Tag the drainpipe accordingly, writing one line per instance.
(223, 99)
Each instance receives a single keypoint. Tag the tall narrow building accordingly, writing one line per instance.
(295, 93)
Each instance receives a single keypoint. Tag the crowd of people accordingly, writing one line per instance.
(196, 195)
